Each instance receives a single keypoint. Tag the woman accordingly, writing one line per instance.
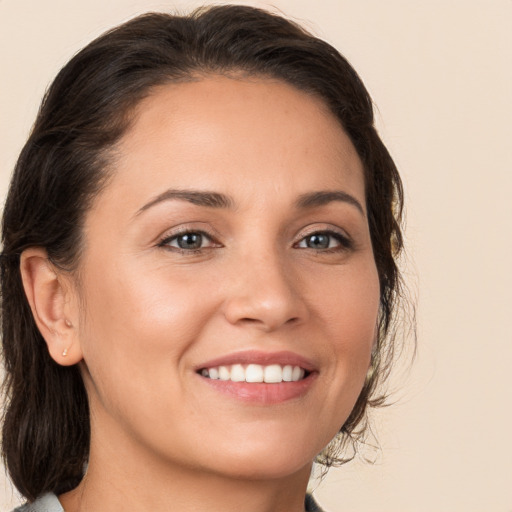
(198, 275)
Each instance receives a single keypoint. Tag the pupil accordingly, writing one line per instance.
(190, 241)
(319, 241)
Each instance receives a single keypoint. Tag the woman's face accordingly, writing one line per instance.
(231, 242)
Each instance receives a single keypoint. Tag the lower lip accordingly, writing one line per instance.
(262, 393)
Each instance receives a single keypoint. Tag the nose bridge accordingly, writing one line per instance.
(264, 291)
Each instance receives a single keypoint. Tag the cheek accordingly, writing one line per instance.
(347, 306)
(136, 336)
(139, 324)
(347, 315)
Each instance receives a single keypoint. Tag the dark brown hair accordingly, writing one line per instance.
(65, 163)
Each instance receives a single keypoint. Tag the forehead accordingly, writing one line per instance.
(235, 133)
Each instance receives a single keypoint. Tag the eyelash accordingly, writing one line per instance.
(344, 242)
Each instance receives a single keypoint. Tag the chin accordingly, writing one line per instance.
(271, 458)
(270, 467)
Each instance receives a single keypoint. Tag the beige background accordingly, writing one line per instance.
(440, 72)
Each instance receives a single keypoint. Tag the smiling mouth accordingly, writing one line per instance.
(255, 373)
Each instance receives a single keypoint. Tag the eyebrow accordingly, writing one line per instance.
(323, 197)
(199, 198)
(218, 200)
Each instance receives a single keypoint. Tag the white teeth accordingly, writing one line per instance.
(273, 373)
(296, 373)
(287, 373)
(254, 373)
(237, 373)
(224, 373)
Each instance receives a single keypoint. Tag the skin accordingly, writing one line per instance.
(143, 314)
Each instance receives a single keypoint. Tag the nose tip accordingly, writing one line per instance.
(265, 315)
(266, 298)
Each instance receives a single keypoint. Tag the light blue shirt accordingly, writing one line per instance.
(46, 503)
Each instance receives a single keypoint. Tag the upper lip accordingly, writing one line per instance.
(283, 358)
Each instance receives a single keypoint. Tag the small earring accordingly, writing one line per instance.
(65, 352)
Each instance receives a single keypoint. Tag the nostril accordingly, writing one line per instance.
(268, 322)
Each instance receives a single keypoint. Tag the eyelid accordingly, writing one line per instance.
(324, 228)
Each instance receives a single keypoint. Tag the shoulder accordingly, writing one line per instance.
(46, 503)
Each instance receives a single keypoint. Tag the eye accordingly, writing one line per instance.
(188, 241)
(324, 241)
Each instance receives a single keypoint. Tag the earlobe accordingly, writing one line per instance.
(48, 294)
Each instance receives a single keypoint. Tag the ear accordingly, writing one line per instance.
(51, 297)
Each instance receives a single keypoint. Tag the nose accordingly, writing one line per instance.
(264, 293)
